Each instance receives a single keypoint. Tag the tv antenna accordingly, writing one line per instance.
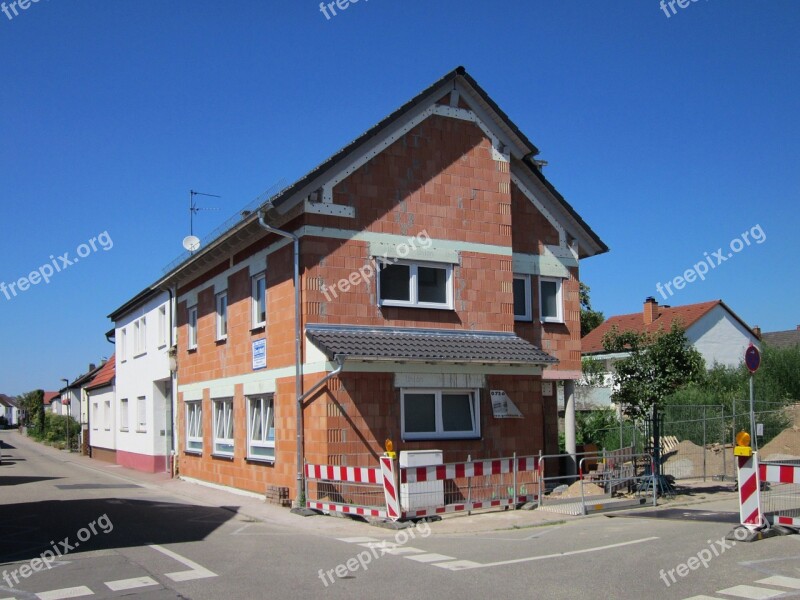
(194, 209)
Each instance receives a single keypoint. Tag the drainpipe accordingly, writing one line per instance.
(298, 381)
(173, 384)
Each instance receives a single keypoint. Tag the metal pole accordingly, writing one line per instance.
(469, 488)
(753, 436)
(724, 460)
(705, 448)
(621, 442)
(515, 481)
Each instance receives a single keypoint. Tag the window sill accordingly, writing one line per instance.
(192, 349)
(193, 452)
(408, 305)
(141, 431)
(519, 319)
(260, 328)
(140, 354)
(434, 438)
(221, 341)
(268, 461)
(551, 321)
(222, 456)
(123, 430)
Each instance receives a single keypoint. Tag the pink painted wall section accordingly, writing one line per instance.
(142, 462)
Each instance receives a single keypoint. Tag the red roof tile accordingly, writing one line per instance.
(105, 375)
(50, 396)
(686, 315)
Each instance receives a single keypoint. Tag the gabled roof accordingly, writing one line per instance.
(782, 339)
(8, 401)
(686, 316)
(105, 375)
(50, 396)
(302, 186)
(437, 345)
(82, 380)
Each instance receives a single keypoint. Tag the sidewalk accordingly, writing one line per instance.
(248, 505)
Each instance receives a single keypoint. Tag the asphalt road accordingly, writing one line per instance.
(119, 537)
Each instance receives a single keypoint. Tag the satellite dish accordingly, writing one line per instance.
(191, 243)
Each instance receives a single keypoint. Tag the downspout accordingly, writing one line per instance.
(298, 377)
(173, 384)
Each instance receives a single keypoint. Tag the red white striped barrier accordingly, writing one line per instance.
(390, 488)
(451, 508)
(345, 474)
(459, 470)
(776, 473)
(348, 509)
(750, 492)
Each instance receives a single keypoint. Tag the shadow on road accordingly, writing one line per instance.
(22, 479)
(30, 528)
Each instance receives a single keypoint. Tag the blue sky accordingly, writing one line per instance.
(671, 136)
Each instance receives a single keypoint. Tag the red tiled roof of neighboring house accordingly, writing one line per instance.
(782, 339)
(50, 396)
(105, 375)
(686, 316)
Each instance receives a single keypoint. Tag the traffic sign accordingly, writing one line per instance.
(752, 358)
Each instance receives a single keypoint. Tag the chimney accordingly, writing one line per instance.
(92, 367)
(757, 331)
(650, 313)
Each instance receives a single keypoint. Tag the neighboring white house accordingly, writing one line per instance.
(10, 410)
(712, 328)
(144, 333)
(100, 402)
(72, 402)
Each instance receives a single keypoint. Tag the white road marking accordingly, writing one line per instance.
(357, 540)
(702, 598)
(73, 592)
(563, 554)
(405, 550)
(197, 571)
(130, 584)
(751, 592)
(457, 565)
(781, 581)
(429, 558)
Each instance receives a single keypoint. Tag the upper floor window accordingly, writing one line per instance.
(162, 326)
(123, 414)
(140, 336)
(192, 321)
(222, 316)
(522, 298)
(259, 318)
(194, 426)
(424, 285)
(551, 303)
(123, 345)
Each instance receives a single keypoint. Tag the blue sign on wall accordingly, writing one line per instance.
(259, 354)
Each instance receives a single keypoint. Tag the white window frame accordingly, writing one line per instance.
(191, 321)
(194, 442)
(95, 415)
(124, 415)
(414, 287)
(123, 344)
(439, 433)
(140, 337)
(255, 320)
(559, 318)
(141, 414)
(107, 415)
(228, 420)
(162, 326)
(528, 316)
(267, 405)
(221, 319)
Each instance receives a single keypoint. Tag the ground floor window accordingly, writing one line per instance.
(261, 428)
(223, 427)
(440, 414)
(194, 426)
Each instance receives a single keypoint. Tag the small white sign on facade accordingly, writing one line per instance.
(503, 407)
(760, 429)
(547, 388)
(259, 354)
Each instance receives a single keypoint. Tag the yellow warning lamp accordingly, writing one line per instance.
(743, 447)
(389, 447)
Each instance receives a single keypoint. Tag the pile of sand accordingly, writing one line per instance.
(589, 489)
(687, 461)
(785, 445)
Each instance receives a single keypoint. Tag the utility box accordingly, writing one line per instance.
(425, 494)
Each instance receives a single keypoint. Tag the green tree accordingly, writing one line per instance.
(590, 319)
(33, 405)
(656, 366)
